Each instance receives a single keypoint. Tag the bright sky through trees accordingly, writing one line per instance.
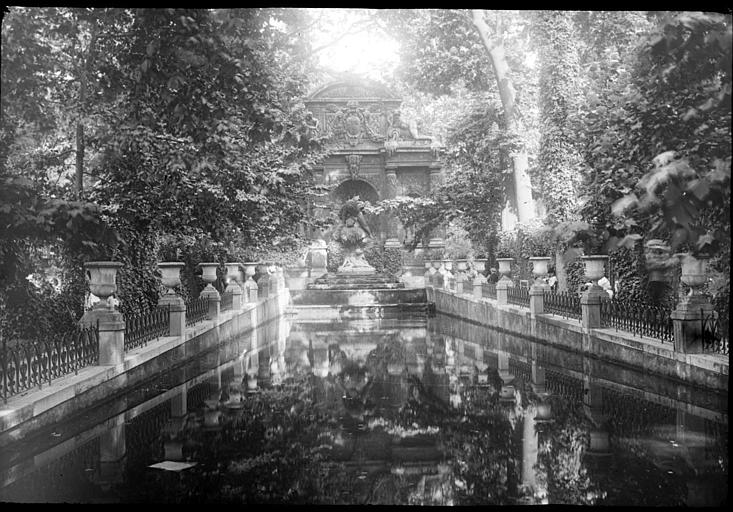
(351, 44)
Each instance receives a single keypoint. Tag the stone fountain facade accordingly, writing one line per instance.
(375, 154)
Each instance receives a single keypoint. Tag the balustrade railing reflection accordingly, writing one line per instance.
(563, 385)
(629, 415)
(146, 326)
(638, 318)
(55, 477)
(27, 364)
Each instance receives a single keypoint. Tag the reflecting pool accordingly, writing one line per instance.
(394, 411)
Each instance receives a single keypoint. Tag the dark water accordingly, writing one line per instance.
(411, 411)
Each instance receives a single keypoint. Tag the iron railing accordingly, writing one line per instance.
(489, 290)
(518, 295)
(565, 304)
(226, 301)
(27, 364)
(715, 332)
(638, 318)
(139, 329)
(196, 310)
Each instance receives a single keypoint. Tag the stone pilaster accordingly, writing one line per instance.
(501, 291)
(111, 339)
(177, 308)
(537, 299)
(590, 307)
(214, 298)
(688, 320)
(478, 286)
(319, 259)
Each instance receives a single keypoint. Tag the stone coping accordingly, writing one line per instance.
(33, 402)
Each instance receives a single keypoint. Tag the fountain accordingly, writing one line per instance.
(356, 290)
(355, 273)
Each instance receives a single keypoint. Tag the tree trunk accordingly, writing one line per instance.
(80, 145)
(522, 184)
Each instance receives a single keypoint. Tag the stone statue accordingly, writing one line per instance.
(353, 235)
(311, 124)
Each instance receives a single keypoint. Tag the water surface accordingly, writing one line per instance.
(408, 411)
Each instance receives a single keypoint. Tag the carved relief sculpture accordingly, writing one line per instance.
(354, 161)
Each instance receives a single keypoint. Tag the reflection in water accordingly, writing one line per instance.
(388, 412)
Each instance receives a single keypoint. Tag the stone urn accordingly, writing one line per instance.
(208, 273)
(461, 265)
(505, 268)
(594, 267)
(233, 275)
(170, 275)
(693, 271)
(480, 265)
(101, 276)
(539, 268)
(250, 268)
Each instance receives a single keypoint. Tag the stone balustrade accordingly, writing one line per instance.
(685, 320)
(241, 291)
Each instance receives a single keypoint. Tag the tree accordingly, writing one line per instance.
(444, 48)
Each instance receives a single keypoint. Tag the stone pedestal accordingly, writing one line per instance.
(111, 339)
(590, 307)
(478, 286)
(319, 259)
(460, 279)
(296, 277)
(501, 291)
(214, 302)
(177, 308)
(537, 298)
(688, 320)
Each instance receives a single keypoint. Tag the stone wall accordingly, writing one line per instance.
(640, 353)
(94, 385)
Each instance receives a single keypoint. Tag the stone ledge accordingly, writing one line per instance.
(608, 344)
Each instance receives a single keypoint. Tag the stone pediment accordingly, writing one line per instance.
(347, 90)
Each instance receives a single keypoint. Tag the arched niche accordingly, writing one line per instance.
(350, 188)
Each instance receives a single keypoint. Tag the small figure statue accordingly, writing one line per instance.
(353, 236)
(311, 124)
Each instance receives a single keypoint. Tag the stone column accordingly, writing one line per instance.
(501, 291)
(460, 279)
(689, 316)
(112, 451)
(101, 276)
(171, 277)
(233, 287)
(211, 293)
(436, 178)
(590, 306)
(390, 193)
(478, 286)
(250, 287)
(319, 259)
(688, 319)
(537, 299)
